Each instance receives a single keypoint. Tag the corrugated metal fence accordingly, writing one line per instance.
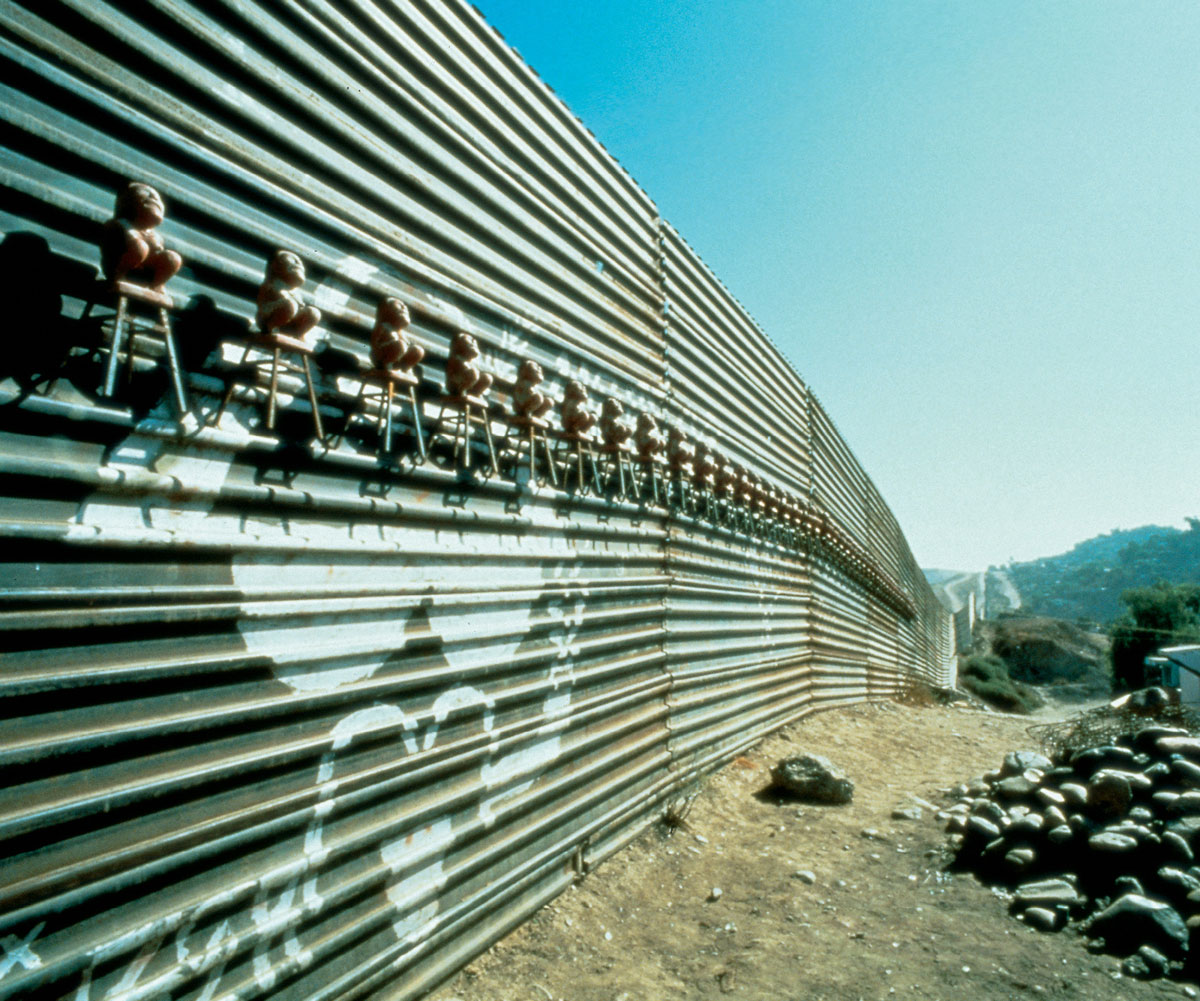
(289, 721)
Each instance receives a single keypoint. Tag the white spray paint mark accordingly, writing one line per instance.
(421, 853)
(545, 751)
(292, 649)
(362, 646)
(344, 731)
(459, 697)
(17, 952)
(272, 923)
(428, 844)
(430, 840)
(217, 953)
(133, 971)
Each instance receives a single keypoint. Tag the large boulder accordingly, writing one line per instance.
(812, 777)
(1132, 921)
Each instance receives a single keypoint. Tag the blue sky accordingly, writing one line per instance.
(973, 227)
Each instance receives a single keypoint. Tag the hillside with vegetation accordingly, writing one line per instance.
(1086, 583)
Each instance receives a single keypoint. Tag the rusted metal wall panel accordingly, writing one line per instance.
(838, 482)
(738, 628)
(286, 720)
(295, 742)
(726, 376)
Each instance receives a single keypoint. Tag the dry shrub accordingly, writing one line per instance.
(918, 692)
(1104, 724)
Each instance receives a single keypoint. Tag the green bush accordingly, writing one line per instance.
(986, 676)
(1162, 615)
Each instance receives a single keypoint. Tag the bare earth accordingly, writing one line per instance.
(882, 919)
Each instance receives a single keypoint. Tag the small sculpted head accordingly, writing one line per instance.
(575, 391)
(613, 409)
(530, 372)
(287, 268)
(464, 347)
(141, 205)
(393, 312)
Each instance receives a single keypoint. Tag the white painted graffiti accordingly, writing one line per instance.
(195, 949)
(18, 952)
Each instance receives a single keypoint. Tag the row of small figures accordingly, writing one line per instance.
(637, 460)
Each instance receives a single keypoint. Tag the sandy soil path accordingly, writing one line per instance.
(881, 920)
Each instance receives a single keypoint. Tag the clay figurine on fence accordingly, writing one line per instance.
(130, 249)
(280, 308)
(615, 433)
(774, 502)
(758, 504)
(283, 323)
(528, 401)
(614, 429)
(680, 454)
(393, 357)
(704, 465)
(774, 512)
(578, 418)
(466, 386)
(463, 375)
(648, 441)
(390, 347)
(528, 425)
(725, 489)
(137, 266)
(740, 497)
(723, 476)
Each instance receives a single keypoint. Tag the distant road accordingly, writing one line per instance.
(993, 589)
(1009, 596)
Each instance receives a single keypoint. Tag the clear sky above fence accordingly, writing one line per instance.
(974, 228)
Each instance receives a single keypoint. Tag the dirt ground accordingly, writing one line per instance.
(882, 919)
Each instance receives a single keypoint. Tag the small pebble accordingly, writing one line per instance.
(715, 894)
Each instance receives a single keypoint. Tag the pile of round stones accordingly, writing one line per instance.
(1103, 839)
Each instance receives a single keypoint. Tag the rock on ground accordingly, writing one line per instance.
(812, 777)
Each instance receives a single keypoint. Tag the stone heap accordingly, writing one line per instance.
(1103, 839)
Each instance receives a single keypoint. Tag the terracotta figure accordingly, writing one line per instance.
(463, 377)
(280, 308)
(614, 429)
(647, 438)
(577, 416)
(390, 347)
(130, 249)
(529, 401)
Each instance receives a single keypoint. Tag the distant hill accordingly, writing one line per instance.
(1048, 652)
(1086, 583)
